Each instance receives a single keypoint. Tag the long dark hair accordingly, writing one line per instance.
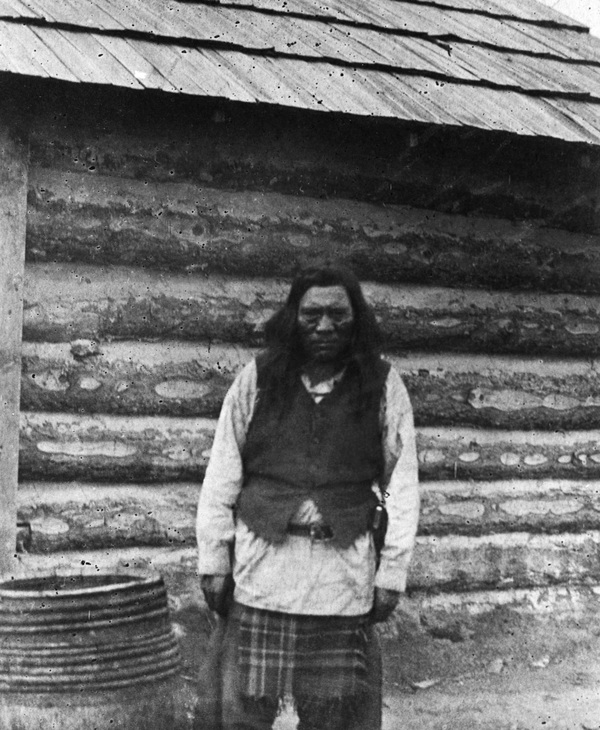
(283, 357)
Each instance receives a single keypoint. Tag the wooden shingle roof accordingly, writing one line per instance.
(506, 65)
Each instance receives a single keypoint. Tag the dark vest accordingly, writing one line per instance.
(330, 452)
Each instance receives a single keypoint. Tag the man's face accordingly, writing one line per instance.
(325, 322)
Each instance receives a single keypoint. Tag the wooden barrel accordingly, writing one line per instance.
(88, 652)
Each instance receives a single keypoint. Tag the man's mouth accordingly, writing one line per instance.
(324, 343)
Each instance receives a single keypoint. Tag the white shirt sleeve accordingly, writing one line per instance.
(215, 524)
(400, 482)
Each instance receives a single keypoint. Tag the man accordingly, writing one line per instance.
(306, 430)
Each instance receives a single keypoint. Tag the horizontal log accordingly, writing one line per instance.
(80, 516)
(520, 393)
(83, 516)
(78, 217)
(455, 453)
(517, 560)
(515, 505)
(113, 448)
(452, 563)
(175, 378)
(63, 303)
(56, 446)
(129, 378)
(249, 147)
(557, 602)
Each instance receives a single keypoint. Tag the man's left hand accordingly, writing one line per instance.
(385, 602)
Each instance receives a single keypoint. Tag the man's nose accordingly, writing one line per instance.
(325, 323)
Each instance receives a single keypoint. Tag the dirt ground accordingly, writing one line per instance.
(500, 671)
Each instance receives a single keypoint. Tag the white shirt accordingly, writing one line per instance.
(302, 576)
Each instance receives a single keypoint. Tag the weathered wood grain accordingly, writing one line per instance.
(84, 516)
(516, 560)
(454, 453)
(63, 303)
(242, 147)
(58, 446)
(175, 378)
(113, 448)
(515, 505)
(451, 563)
(80, 516)
(561, 602)
(169, 378)
(504, 392)
(13, 200)
(87, 218)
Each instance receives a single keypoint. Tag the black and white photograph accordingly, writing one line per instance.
(299, 364)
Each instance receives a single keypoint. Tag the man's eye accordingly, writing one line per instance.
(313, 317)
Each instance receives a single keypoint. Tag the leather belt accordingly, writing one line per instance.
(316, 532)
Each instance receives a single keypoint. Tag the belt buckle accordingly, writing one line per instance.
(318, 533)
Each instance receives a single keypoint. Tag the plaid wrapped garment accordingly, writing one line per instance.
(312, 657)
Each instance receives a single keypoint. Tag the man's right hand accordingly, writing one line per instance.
(218, 592)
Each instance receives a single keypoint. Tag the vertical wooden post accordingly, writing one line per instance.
(13, 209)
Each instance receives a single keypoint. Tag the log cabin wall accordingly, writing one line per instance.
(160, 236)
